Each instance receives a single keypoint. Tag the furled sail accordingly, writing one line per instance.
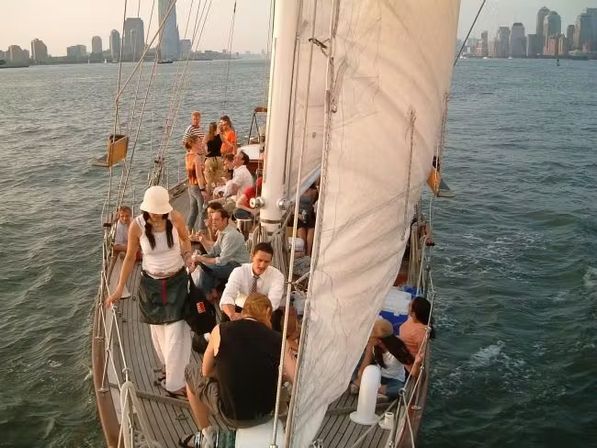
(391, 71)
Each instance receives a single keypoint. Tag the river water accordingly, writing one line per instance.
(515, 267)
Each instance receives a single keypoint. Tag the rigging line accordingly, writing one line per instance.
(412, 119)
(268, 49)
(140, 61)
(469, 32)
(230, 39)
(205, 14)
(294, 227)
(113, 139)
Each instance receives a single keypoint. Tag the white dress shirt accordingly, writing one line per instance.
(242, 178)
(270, 283)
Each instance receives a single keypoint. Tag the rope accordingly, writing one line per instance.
(469, 33)
(230, 39)
(411, 127)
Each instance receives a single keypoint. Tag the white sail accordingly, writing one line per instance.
(307, 109)
(392, 69)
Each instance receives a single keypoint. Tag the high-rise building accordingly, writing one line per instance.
(169, 37)
(502, 42)
(39, 51)
(541, 14)
(96, 45)
(583, 35)
(593, 13)
(115, 45)
(17, 55)
(133, 39)
(533, 45)
(484, 44)
(76, 52)
(570, 31)
(556, 45)
(518, 41)
(186, 46)
(552, 25)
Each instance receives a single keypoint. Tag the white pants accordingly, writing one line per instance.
(172, 343)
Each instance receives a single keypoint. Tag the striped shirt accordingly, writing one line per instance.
(193, 130)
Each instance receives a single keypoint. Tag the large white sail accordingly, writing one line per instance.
(392, 66)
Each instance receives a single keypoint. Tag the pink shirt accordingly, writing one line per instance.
(412, 334)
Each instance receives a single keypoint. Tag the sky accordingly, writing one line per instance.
(61, 23)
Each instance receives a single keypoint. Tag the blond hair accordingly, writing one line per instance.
(196, 114)
(382, 328)
(190, 141)
(259, 307)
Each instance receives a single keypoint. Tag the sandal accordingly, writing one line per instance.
(180, 394)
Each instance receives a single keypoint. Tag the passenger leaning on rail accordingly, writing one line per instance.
(236, 382)
(161, 234)
(413, 331)
(122, 229)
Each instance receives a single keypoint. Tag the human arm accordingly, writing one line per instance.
(276, 289)
(289, 369)
(233, 286)
(185, 242)
(128, 263)
(208, 367)
(200, 176)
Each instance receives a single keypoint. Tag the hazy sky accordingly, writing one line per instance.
(61, 23)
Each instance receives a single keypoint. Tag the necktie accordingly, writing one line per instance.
(254, 285)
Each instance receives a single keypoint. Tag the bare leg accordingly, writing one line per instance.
(199, 410)
(310, 233)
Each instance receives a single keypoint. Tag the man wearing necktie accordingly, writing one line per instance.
(257, 276)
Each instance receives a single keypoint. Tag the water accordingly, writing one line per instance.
(514, 361)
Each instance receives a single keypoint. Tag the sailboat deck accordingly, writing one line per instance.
(170, 419)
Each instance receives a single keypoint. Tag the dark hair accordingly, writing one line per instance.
(223, 213)
(421, 308)
(215, 205)
(125, 208)
(229, 157)
(264, 247)
(149, 230)
(396, 347)
(226, 118)
(245, 157)
(211, 131)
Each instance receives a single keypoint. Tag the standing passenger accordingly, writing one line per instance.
(194, 129)
(161, 234)
(214, 165)
(228, 136)
(196, 181)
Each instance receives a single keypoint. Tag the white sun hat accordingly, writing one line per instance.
(156, 200)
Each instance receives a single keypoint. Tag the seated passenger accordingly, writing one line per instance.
(241, 176)
(306, 218)
(228, 252)
(243, 208)
(236, 382)
(390, 354)
(413, 331)
(121, 235)
(257, 276)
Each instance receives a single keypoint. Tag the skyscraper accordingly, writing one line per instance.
(484, 44)
(570, 31)
(502, 42)
(533, 45)
(39, 51)
(518, 41)
(552, 25)
(169, 38)
(133, 39)
(96, 45)
(17, 55)
(541, 14)
(593, 13)
(115, 45)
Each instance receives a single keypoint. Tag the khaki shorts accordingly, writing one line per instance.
(207, 390)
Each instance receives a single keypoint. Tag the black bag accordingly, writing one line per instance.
(201, 314)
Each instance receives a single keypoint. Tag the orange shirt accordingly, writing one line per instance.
(412, 334)
(230, 147)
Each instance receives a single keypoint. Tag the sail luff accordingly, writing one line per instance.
(392, 71)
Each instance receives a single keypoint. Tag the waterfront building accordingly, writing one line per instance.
(484, 44)
(96, 45)
(541, 14)
(534, 45)
(186, 46)
(76, 52)
(583, 36)
(169, 37)
(592, 12)
(552, 25)
(115, 45)
(518, 41)
(133, 39)
(502, 42)
(17, 55)
(39, 51)
(556, 46)
(570, 31)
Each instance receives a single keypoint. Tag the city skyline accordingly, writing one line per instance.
(76, 22)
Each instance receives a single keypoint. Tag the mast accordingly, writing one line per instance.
(278, 118)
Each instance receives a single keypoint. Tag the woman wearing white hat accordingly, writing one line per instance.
(161, 234)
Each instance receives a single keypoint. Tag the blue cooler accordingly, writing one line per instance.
(395, 307)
